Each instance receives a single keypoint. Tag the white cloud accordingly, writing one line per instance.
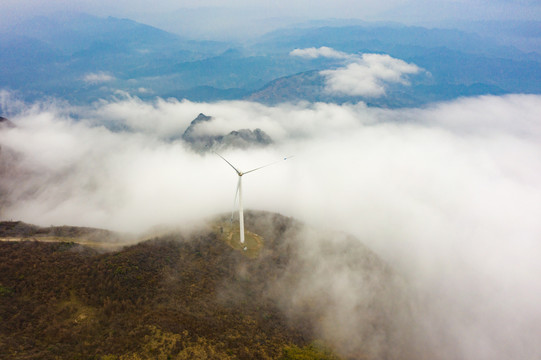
(449, 195)
(314, 53)
(98, 78)
(368, 76)
(143, 90)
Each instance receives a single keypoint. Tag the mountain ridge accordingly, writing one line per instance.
(65, 57)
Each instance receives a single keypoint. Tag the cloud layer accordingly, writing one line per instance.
(324, 51)
(98, 78)
(449, 195)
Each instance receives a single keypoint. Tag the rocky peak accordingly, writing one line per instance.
(242, 138)
(6, 123)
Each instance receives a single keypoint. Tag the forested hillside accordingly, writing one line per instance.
(174, 296)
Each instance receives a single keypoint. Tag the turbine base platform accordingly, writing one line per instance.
(230, 234)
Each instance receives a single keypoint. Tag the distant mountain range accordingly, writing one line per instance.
(84, 58)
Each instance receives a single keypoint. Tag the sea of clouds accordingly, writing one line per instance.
(448, 194)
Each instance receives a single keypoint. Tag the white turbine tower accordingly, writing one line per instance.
(239, 191)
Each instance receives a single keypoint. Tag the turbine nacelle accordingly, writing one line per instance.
(239, 193)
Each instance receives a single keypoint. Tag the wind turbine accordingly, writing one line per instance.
(239, 192)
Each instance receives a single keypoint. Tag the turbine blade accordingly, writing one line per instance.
(264, 166)
(234, 168)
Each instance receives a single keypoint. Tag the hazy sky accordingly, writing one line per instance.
(243, 17)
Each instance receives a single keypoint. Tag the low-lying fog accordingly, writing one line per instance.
(449, 195)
